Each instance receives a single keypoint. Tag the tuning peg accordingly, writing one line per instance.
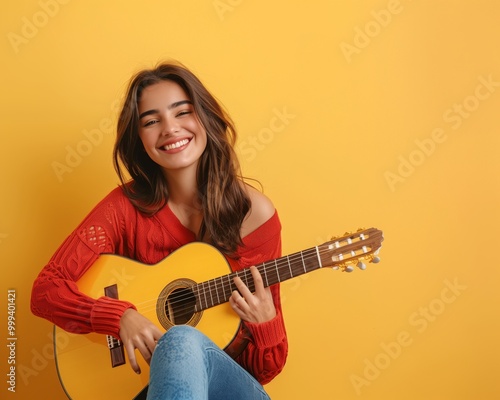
(372, 259)
(349, 268)
(361, 265)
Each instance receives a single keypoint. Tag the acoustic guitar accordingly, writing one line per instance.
(191, 286)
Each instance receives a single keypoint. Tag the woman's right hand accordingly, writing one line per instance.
(138, 332)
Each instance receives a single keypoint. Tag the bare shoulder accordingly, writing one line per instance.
(261, 210)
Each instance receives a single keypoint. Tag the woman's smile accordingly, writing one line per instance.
(175, 146)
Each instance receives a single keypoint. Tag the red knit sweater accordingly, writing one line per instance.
(115, 226)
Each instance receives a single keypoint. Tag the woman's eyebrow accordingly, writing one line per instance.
(170, 107)
(179, 103)
(146, 113)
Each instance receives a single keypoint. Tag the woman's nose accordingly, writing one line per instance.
(170, 126)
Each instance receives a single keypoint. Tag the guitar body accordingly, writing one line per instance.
(84, 361)
(192, 286)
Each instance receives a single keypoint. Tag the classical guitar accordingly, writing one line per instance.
(191, 286)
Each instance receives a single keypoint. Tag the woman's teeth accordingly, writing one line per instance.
(176, 144)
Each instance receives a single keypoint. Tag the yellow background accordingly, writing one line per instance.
(365, 85)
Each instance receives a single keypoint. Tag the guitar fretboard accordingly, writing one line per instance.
(217, 291)
(336, 252)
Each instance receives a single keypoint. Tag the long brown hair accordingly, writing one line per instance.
(223, 200)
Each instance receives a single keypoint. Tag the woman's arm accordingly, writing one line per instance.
(55, 295)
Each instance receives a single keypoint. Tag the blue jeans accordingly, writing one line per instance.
(188, 365)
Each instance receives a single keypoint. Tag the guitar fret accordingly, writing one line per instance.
(303, 263)
(226, 287)
(197, 306)
(243, 278)
(312, 262)
(217, 291)
(213, 291)
(319, 258)
(273, 274)
(289, 266)
(290, 269)
(200, 297)
(210, 292)
(238, 275)
(205, 295)
(229, 285)
(246, 278)
(277, 271)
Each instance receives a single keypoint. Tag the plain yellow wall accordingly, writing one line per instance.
(351, 113)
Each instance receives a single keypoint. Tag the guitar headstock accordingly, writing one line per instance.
(352, 249)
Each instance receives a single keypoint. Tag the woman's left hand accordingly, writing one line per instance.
(253, 307)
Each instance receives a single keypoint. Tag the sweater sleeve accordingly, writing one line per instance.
(55, 295)
(267, 349)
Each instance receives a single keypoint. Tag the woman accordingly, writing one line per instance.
(176, 143)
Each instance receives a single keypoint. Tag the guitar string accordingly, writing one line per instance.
(188, 310)
(217, 285)
(211, 293)
(213, 290)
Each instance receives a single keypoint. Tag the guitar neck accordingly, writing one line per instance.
(217, 291)
(362, 245)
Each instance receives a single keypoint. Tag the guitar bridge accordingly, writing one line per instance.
(115, 346)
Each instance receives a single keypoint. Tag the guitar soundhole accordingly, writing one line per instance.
(180, 306)
(176, 305)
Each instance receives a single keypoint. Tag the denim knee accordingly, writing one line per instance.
(182, 341)
(182, 333)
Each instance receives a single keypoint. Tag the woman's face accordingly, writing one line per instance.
(169, 129)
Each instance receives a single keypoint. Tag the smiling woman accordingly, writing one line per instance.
(193, 112)
(176, 143)
(170, 131)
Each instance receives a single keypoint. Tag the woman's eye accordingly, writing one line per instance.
(182, 113)
(150, 122)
